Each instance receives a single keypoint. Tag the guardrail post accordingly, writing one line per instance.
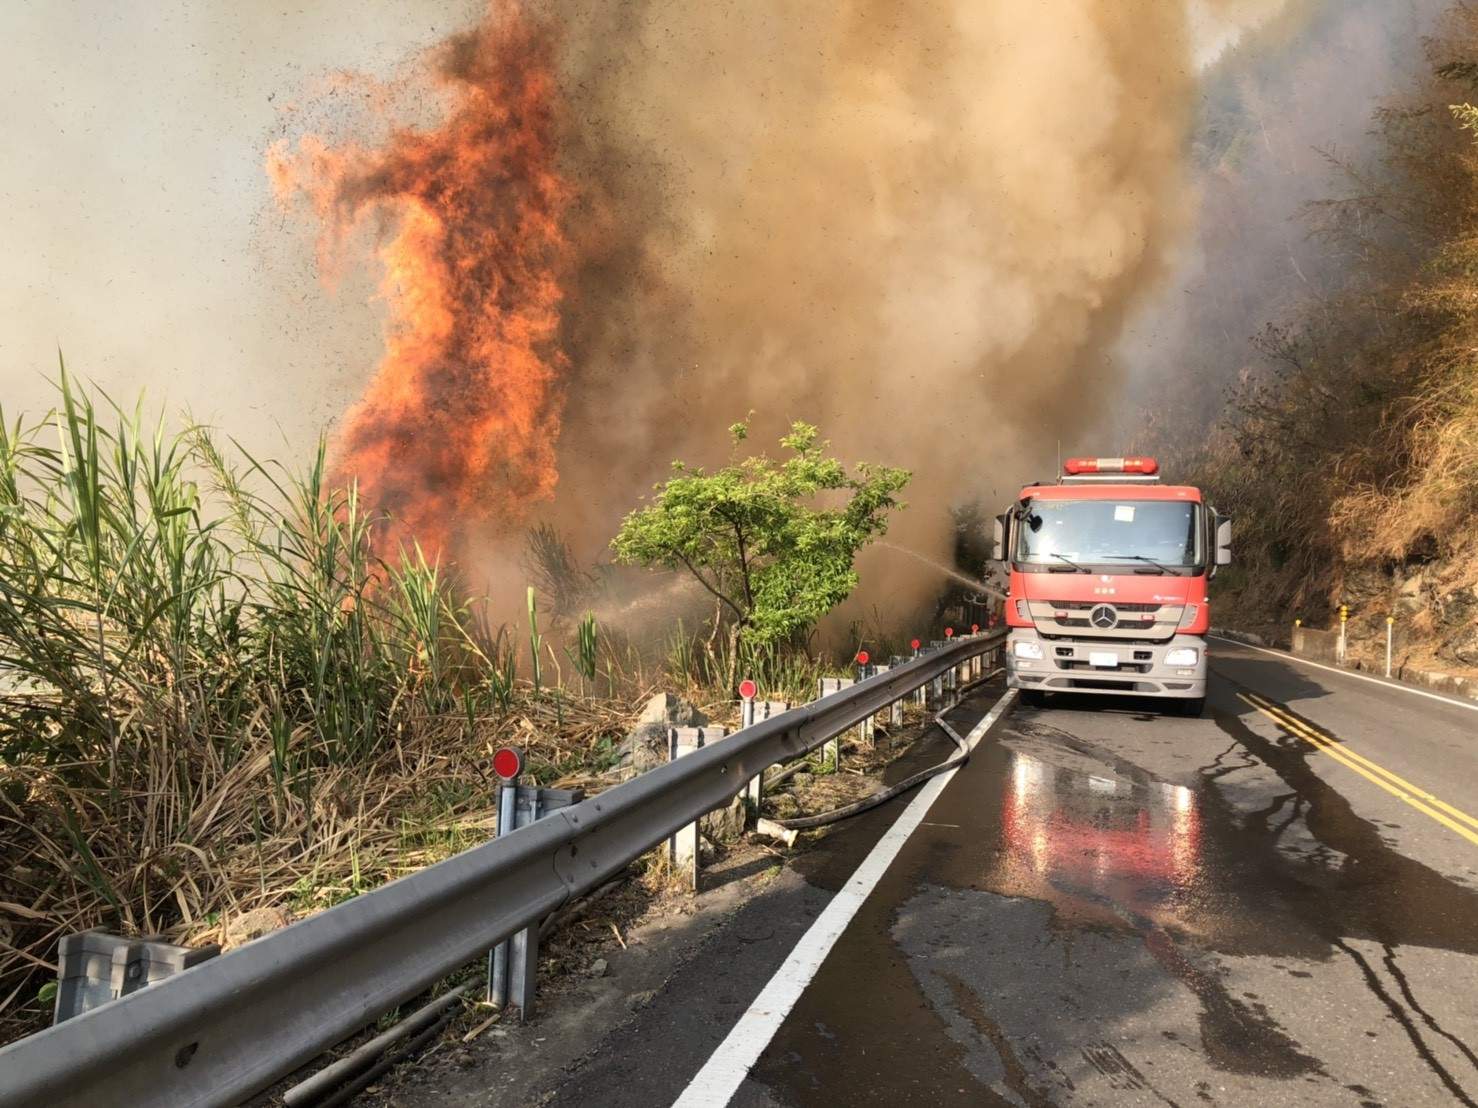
(895, 710)
(498, 956)
(938, 686)
(684, 846)
(513, 964)
(94, 967)
(831, 753)
(752, 711)
(523, 948)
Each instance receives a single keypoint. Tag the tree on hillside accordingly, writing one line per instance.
(773, 541)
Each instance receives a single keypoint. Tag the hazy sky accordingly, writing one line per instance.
(137, 229)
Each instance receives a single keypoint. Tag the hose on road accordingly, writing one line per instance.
(882, 796)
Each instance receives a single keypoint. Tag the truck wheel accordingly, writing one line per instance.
(1033, 698)
(1193, 708)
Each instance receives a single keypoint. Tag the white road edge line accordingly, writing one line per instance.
(725, 1071)
(1346, 673)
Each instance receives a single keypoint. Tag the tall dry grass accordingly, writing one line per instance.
(214, 696)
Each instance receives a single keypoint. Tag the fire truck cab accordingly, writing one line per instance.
(1108, 571)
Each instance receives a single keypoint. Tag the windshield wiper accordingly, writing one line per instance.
(1071, 565)
(1141, 558)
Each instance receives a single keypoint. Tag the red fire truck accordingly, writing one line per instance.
(1108, 571)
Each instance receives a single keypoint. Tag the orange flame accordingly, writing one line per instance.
(457, 428)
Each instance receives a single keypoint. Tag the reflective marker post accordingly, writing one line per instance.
(507, 764)
(754, 790)
(513, 963)
(1390, 621)
(866, 730)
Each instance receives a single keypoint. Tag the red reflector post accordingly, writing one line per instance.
(862, 657)
(949, 632)
(747, 689)
(508, 763)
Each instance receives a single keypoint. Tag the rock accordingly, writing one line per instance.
(672, 711)
(802, 780)
(643, 749)
(726, 824)
(253, 925)
(641, 999)
(783, 805)
(599, 967)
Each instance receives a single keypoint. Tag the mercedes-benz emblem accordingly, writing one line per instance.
(1103, 616)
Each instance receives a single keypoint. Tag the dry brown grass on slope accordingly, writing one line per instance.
(69, 858)
(1350, 455)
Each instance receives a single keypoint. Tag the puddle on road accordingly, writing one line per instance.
(1107, 842)
(1109, 845)
(1063, 895)
(1111, 848)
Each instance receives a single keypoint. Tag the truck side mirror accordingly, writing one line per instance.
(998, 540)
(1223, 540)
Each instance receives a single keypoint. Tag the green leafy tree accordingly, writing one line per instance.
(773, 541)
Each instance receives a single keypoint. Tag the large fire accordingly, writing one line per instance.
(457, 428)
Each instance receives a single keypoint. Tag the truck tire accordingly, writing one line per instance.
(1033, 698)
(1193, 708)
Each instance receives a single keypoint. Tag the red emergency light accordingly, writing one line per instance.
(508, 762)
(1075, 466)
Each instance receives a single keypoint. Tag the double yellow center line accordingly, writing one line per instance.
(1423, 801)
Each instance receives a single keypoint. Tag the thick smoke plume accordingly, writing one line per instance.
(919, 225)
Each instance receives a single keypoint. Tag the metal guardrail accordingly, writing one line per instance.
(221, 1031)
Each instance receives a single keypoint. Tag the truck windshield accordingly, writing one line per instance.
(1142, 532)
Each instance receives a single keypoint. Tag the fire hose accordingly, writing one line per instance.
(882, 796)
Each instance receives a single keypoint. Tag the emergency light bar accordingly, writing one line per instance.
(1141, 465)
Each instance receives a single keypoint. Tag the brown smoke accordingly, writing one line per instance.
(914, 224)
(919, 225)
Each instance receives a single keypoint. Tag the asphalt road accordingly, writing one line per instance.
(1109, 905)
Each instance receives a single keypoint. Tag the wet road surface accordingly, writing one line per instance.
(1113, 906)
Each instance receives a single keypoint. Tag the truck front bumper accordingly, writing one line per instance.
(1112, 667)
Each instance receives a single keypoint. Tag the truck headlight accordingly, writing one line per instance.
(1032, 650)
(1184, 656)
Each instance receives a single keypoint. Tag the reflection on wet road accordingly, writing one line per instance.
(1114, 906)
(1132, 844)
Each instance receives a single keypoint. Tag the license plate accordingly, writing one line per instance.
(1103, 661)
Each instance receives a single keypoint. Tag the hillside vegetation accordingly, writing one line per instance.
(1349, 451)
